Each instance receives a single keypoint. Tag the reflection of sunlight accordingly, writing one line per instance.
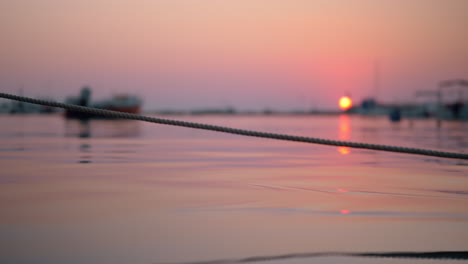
(345, 129)
(344, 150)
(345, 211)
(344, 133)
(342, 190)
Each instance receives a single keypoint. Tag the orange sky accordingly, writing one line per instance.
(249, 54)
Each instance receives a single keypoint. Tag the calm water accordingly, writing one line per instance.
(134, 192)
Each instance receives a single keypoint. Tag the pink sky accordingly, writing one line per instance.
(250, 54)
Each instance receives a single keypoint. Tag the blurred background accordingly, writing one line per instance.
(247, 55)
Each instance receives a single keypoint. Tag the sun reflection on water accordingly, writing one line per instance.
(344, 133)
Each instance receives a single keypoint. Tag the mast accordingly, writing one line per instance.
(376, 78)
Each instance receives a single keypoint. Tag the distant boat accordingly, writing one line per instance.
(121, 103)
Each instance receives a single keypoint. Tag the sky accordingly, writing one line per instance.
(247, 54)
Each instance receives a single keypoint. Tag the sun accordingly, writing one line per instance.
(345, 103)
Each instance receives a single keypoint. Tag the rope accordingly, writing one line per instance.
(115, 114)
(456, 255)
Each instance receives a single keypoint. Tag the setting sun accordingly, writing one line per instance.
(345, 103)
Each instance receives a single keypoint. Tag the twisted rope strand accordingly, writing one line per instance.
(435, 255)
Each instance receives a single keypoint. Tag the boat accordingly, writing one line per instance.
(121, 103)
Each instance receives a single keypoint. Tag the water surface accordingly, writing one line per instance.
(116, 191)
